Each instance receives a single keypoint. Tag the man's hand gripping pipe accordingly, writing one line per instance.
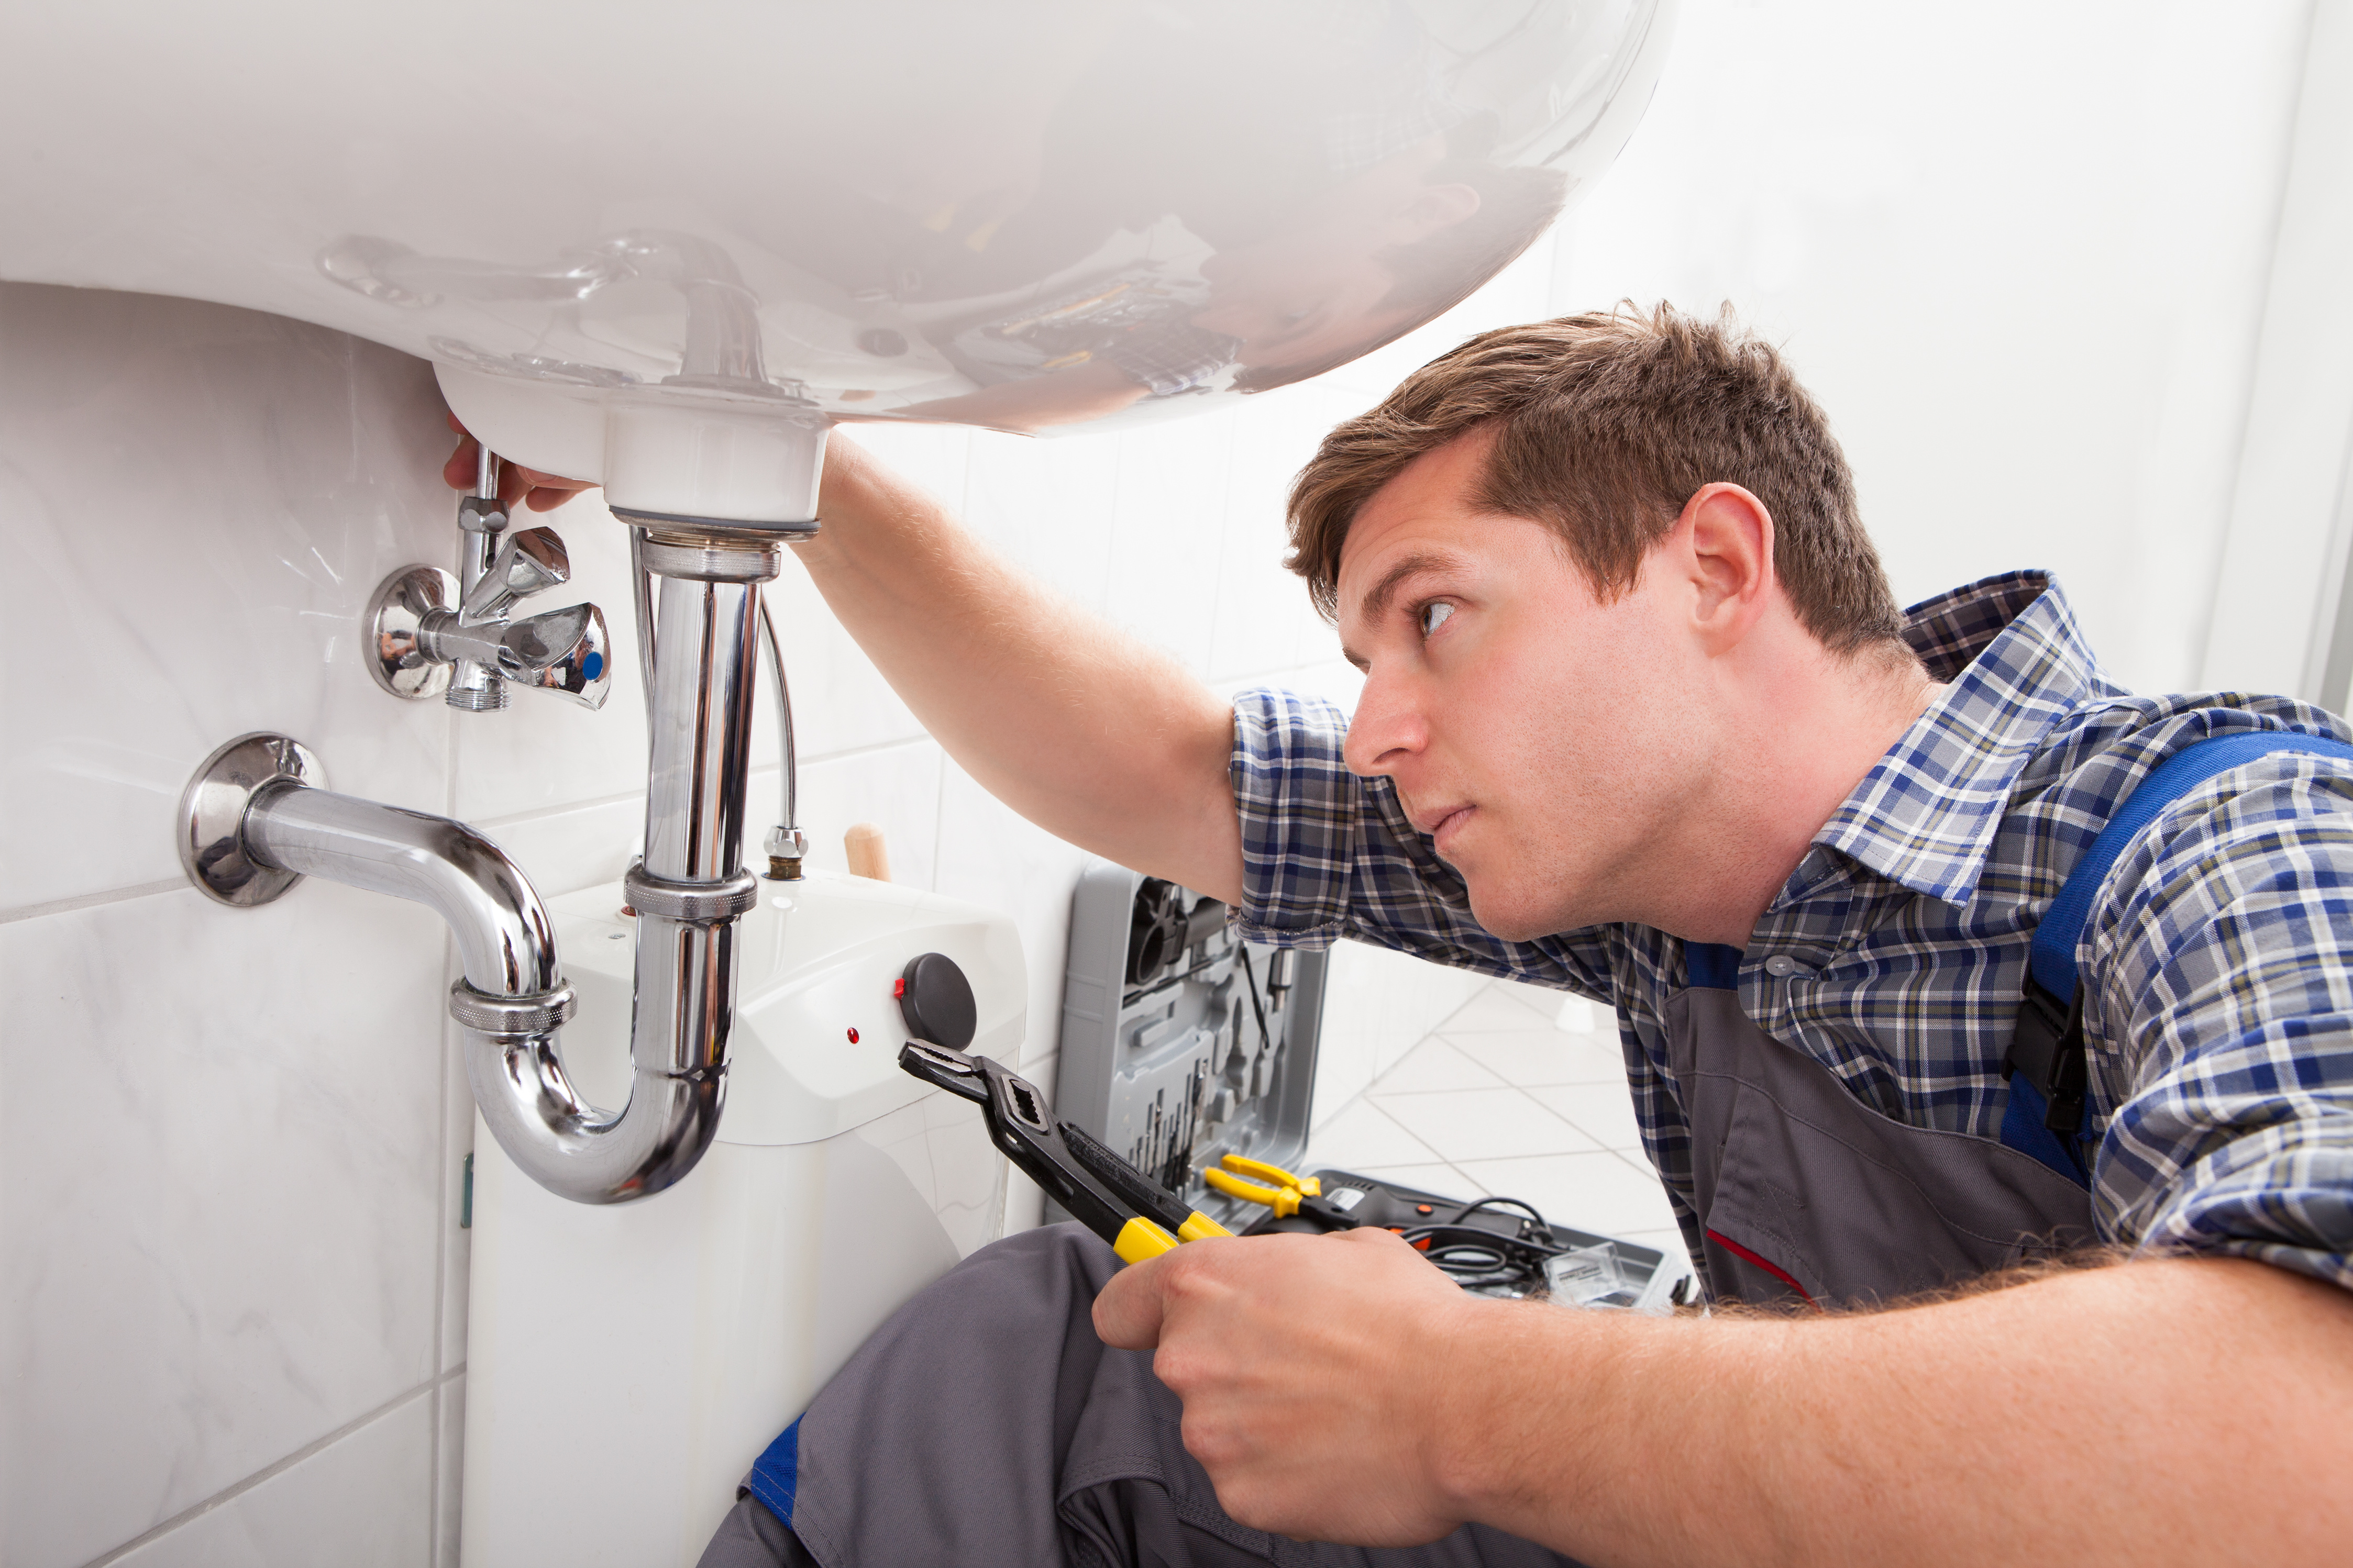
(1140, 1218)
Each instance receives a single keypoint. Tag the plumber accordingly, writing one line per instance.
(1641, 719)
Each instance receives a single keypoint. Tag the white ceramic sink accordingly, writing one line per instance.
(661, 247)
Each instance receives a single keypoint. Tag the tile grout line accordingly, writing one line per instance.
(269, 1472)
(449, 961)
(847, 753)
(91, 900)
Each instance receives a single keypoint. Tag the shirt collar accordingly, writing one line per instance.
(1926, 816)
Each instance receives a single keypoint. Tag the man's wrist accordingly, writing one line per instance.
(1501, 1403)
(1545, 1417)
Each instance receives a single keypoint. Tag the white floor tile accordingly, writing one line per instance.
(1542, 1000)
(1602, 1112)
(1527, 1057)
(1496, 1009)
(1597, 1192)
(1364, 1135)
(1669, 1242)
(1434, 1064)
(1476, 1123)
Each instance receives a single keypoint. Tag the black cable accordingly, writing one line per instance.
(1479, 1259)
(1467, 1210)
(1250, 972)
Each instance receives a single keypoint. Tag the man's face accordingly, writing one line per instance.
(1547, 740)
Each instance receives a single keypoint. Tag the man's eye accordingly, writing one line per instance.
(1433, 615)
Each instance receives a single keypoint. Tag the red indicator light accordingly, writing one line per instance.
(853, 1036)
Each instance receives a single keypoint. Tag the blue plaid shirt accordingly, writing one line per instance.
(2218, 962)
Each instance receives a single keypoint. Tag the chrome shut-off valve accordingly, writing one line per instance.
(435, 632)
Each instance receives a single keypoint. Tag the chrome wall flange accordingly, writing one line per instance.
(213, 814)
(395, 654)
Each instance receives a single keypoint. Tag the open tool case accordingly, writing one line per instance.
(1183, 1045)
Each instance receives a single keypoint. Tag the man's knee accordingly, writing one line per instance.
(752, 1537)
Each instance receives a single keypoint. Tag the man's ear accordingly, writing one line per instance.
(1430, 208)
(1727, 538)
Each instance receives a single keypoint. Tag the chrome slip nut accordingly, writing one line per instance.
(484, 1013)
(659, 896)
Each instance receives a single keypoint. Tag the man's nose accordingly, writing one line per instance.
(1387, 729)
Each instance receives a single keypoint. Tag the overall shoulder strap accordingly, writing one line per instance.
(2045, 1061)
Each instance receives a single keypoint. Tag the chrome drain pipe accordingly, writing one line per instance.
(255, 818)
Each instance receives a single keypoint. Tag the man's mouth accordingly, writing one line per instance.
(1441, 824)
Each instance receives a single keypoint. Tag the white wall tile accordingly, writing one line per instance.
(578, 847)
(453, 1215)
(840, 702)
(218, 1136)
(197, 504)
(449, 1468)
(1265, 621)
(364, 1500)
(991, 855)
(2024, 283)
(897, 788)
(1047, 506)
(1169, 537)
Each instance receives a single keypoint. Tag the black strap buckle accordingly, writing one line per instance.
(2048, 1048)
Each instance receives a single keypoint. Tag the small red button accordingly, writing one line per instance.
(898, 986)
(1423, 1208)
(853, 1036)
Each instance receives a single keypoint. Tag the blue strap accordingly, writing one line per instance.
(2023, 1129)
(2025, 1119)
(1712, 966)
(777, 1473)
(2053, 960)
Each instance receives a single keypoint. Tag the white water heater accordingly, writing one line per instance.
(627, 1363)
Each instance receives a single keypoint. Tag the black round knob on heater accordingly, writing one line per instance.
(936, 1001)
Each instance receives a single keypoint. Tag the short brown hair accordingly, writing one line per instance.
(1606, 424)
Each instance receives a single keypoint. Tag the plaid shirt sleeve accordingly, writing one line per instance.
(2221, 1027)
(1327, 854)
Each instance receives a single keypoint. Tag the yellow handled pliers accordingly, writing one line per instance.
(1282, 1192)
(1138, 1216)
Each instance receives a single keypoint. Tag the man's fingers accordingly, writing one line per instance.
(1129, 1309)
(458, 472)
(539, 491)
(549, 492)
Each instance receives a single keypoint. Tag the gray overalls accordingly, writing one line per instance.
(1804, 1190)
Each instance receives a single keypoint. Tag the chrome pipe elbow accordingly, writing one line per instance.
(513, 1003)
(504, 937)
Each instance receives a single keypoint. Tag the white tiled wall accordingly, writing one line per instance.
(232, 1284)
